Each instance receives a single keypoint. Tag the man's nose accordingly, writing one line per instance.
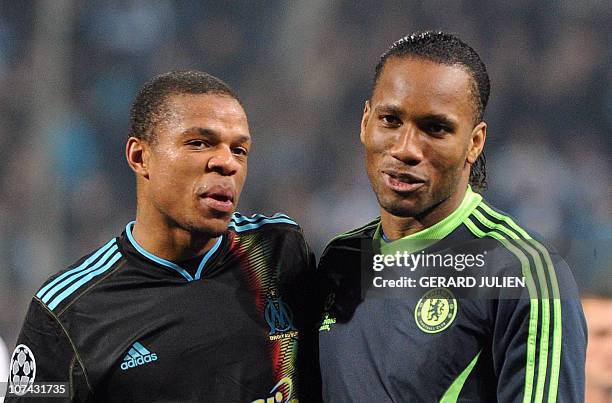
(223, 161)
(407, 147)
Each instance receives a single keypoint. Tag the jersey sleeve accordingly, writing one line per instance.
(539, 341)
(49, 354)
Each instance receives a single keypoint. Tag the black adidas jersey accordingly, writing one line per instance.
(123, 325)
(442, 342)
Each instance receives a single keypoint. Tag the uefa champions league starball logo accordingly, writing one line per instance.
(23, 369)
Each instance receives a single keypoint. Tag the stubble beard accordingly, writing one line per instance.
(424, 202)
(202, 230)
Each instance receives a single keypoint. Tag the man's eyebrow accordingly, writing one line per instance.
(210, 133)
(390, 109)
(439, 118)
(432, 117)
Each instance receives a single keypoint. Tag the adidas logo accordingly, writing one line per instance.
(137, 355)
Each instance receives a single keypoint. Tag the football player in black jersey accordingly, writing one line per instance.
(193, 301)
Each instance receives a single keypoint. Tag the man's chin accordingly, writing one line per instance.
(210, 227)
(401, 212)
(401, 208)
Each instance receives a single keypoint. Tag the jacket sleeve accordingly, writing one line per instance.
(539, 341)
(44, 353)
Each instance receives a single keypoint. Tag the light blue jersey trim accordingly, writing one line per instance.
(83, 266)
(83, 281)
(247, 227)
(237, 218)
(207, 256)
(156, 259)
(167, 263)
(110, 252)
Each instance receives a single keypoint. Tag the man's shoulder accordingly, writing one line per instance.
(486, 221)
(525, 250)
(63, 288)
(243, 224)
(272, 231)
(354, 240)
(359, 233)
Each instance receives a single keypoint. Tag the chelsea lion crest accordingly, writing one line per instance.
(436, 310)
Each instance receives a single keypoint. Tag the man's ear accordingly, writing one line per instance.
(364, 120)
(137, 155)
(477, 142)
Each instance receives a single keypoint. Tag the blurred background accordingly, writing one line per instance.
(69, 71)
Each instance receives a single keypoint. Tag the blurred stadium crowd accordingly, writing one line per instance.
(69, 71)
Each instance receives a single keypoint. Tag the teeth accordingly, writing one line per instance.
(404, 179)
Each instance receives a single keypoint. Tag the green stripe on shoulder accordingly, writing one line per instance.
(545, 325)
(557, 319)
(533, 298)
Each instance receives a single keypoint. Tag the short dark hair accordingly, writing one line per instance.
(148, 107)
(447, 49)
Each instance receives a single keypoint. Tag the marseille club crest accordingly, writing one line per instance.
(279, 317)
(436, 310)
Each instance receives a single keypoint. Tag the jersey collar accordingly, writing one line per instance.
(430, 235)
(171, 265)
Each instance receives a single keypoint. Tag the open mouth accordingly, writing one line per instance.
(219, 198)
(402, 182)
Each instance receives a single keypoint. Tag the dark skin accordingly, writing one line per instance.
(420, 140)
(190, 176)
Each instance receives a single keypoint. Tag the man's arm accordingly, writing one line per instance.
(539, 344)
(45, 353)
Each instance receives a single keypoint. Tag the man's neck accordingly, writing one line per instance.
(169, 242)
(396, 227)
